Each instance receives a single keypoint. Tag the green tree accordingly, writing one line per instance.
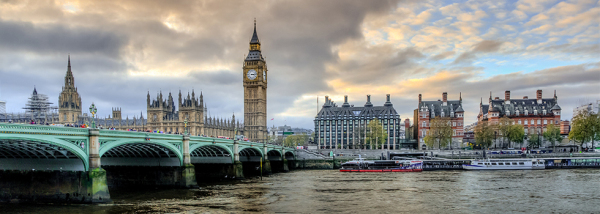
(296, 140)
(552, 134)
(375, 134)
(503, 127)
(440, 133)
(516, 133)
(484, 134)
(583, 128)
(534, 139)
(595, 118)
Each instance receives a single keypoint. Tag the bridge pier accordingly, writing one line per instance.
(97, 183)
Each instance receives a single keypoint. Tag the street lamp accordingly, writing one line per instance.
(93, 111)
(185, 126)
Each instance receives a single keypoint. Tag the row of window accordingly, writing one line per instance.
(454, 133)
(356, 117)
(425, 124)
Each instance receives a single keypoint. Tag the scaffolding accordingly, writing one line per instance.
(39, 109)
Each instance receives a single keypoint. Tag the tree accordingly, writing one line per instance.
(552, 134)
(583, 127)
(375, 134)
(595, 118)
(504, 126)
(295, 140)
(534, 139)
(440, 132)
(484, 134)
(516, 133)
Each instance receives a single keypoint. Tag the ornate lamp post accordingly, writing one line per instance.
(185, 126)
(93, 111)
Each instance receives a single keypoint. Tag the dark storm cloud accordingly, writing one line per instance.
(485, 46)
(22, 36)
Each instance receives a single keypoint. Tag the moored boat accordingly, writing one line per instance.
(505, 164)
(360, 165)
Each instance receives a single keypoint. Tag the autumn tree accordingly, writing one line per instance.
(552, 134)
(375, 134)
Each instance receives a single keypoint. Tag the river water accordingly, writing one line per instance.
(330, 191)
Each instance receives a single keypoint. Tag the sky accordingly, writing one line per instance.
(121, 50)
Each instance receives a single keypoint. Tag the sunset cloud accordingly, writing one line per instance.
(120, 50)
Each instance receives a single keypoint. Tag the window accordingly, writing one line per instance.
(525, 122)
(500, 163)
(521, 163)
(519, 121)
(532, 122)
(539, 122)
(494, 164)
(453, 123)
(545, 122)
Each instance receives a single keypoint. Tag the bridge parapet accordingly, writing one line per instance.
(9, 128)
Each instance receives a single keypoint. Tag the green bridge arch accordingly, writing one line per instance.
(79, 152)
(112, 144)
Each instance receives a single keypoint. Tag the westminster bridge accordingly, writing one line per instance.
(48, 163)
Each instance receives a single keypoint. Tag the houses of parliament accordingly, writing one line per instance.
(189, 113)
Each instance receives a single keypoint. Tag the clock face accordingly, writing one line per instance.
(264, 76)
(251, 74)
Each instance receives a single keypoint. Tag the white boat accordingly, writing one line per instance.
(505, 164)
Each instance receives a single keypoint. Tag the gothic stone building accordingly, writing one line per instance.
(445, 108)
(533, 114)
(339, 127)
(69, 102)
(163, 116)
(255, 92)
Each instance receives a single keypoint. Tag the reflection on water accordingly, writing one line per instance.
(327, 191)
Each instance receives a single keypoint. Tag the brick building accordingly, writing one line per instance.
(445, 108)
(533, 114)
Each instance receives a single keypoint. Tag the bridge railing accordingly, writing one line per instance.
(41, 129)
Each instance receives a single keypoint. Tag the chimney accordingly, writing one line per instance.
(368, 104)
(419, 98)
(507, 96)
(445, 97)
(539, 96)
(496, 98)
(525, 97)
(387, 101)
(346, 104)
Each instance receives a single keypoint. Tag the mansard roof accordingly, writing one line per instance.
(356, 112)
(438, 107)
(531, 105)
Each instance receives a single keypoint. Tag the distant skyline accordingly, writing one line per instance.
(120, 50)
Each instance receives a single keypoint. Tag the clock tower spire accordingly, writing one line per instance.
(255, 92)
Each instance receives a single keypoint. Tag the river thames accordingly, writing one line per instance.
(330, 191)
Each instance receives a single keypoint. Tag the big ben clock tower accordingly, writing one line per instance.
(255, 92)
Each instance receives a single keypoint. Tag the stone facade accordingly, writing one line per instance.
(69, 102)
(255, 92)
(163, 116)
(345, 127)
(451, 109)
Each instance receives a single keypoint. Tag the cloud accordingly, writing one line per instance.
(122, 50)
(485, 46)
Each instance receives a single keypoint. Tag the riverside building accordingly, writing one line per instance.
(344, 127)
(533, 114)
(444, 108)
